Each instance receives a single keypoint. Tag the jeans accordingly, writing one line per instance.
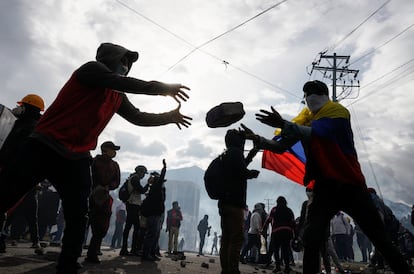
(151, 236)
(117, 237)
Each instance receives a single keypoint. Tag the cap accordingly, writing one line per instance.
(155, 174)
(141, 168)
(109, 144)
(258, 206)
(315, 87)
(34, 100)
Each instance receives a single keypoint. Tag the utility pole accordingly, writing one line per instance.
(337, 72)
(269, 203)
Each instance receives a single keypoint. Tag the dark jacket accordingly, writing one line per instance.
(236, 172)
(22, 128)
(105, 172)
(153, 205)
(281, 217)
(203, 226)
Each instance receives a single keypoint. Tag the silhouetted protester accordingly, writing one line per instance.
(60, 223)
(133, 210)
(59, 147)
(174, 218)
(181, 244)
(350, 242)
(120, 219)
(152, 208)
(247, 214)
(106, 176)
(27, 113)
(282, 219)
(214, 246)
(364, 243)
(231, 207)
(391, 223)
(253, 243)
(48, 208)
(340, 228)
(262, 256)
(25, 215)
(324, 128)
(203, 228)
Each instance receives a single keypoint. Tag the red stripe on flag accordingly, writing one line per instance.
(285, 164)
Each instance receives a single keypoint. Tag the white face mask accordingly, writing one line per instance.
(18, 111)
(121, 69)
(315, 101)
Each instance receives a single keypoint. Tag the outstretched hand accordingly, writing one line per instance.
(272, 119)
(179, 119)
(248, 133)
(176, 91)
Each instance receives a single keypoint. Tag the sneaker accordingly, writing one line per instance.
(277, 269)
(39, 251)
(135, 253)
(124, 252)
(35, 245)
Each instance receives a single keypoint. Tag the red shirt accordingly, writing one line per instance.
(78, 115)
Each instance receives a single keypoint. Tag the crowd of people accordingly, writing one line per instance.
(55, 146)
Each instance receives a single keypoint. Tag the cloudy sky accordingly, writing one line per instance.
(258, 52)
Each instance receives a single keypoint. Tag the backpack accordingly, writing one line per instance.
(214, 178)
(123, 193)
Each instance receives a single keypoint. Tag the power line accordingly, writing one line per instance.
(221, 60)
(153, 22)
(358, 26)
(226, 32)
(381, 77)
(383, 44)
(366, 151)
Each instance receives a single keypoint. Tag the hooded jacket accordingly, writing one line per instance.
(89, 99)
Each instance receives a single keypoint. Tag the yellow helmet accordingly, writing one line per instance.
(34, 100)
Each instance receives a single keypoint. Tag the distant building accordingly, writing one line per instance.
(188, 196)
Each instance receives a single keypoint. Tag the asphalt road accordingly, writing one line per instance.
(23, 259)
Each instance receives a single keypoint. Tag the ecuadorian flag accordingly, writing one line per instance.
(331, 156)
